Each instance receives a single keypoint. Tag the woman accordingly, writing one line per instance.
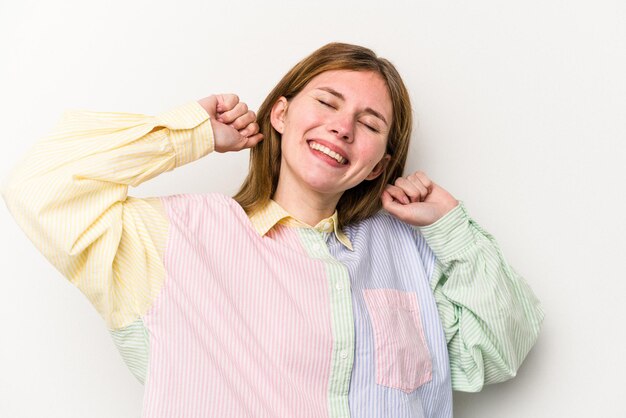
(297, 297)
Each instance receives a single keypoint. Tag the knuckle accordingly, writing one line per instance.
(425, 179)
(230, 100)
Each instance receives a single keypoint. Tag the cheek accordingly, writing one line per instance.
(305, 120)
(374, 153)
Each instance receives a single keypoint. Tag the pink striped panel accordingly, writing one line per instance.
(402, 357)
(232, 333)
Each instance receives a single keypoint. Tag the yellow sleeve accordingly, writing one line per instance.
(70, 196)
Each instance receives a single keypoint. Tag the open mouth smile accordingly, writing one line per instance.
(341, 160)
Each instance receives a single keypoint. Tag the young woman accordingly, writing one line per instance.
(298, 297)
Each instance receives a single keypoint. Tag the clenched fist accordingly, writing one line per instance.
(234, 126)
(417, 200)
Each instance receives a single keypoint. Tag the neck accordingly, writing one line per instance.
(307, 206)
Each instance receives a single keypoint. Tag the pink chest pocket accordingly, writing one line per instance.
(402, 357)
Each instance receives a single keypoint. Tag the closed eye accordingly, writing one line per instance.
(371, 128)
(326, 104)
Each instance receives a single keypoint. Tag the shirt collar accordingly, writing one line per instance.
(264, 219)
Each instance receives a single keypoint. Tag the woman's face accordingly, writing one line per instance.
(334, 132)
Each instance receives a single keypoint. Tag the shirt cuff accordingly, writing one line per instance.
(191, 133)
(449, 234)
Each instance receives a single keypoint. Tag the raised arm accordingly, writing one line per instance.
(69, 194)
(490, 316)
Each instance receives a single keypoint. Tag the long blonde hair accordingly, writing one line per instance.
(363, 200)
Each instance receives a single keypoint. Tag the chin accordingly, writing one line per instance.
(323, 185)
(330, 189)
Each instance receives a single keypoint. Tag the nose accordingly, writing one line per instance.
(342, 127)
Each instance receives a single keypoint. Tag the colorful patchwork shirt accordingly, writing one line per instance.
(221, 314)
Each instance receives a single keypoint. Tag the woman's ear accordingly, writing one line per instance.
(278, 113)
(379, 168)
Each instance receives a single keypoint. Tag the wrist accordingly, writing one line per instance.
(450, 233)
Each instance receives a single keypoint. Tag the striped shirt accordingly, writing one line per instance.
(221, 314)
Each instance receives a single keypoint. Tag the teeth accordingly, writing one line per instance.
(327, 151)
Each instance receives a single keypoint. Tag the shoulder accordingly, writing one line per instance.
(383, 233)
(383, 224)
(204, 205)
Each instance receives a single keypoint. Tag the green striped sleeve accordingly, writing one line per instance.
(490, 315)
(133, 343)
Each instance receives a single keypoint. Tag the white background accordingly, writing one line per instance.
(520, 112)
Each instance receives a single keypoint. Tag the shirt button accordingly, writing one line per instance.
(325, 226)
(339, 286)
(343, 354)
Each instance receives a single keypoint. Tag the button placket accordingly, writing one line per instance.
(342, 319)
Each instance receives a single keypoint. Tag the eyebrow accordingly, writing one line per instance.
(342, 97)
